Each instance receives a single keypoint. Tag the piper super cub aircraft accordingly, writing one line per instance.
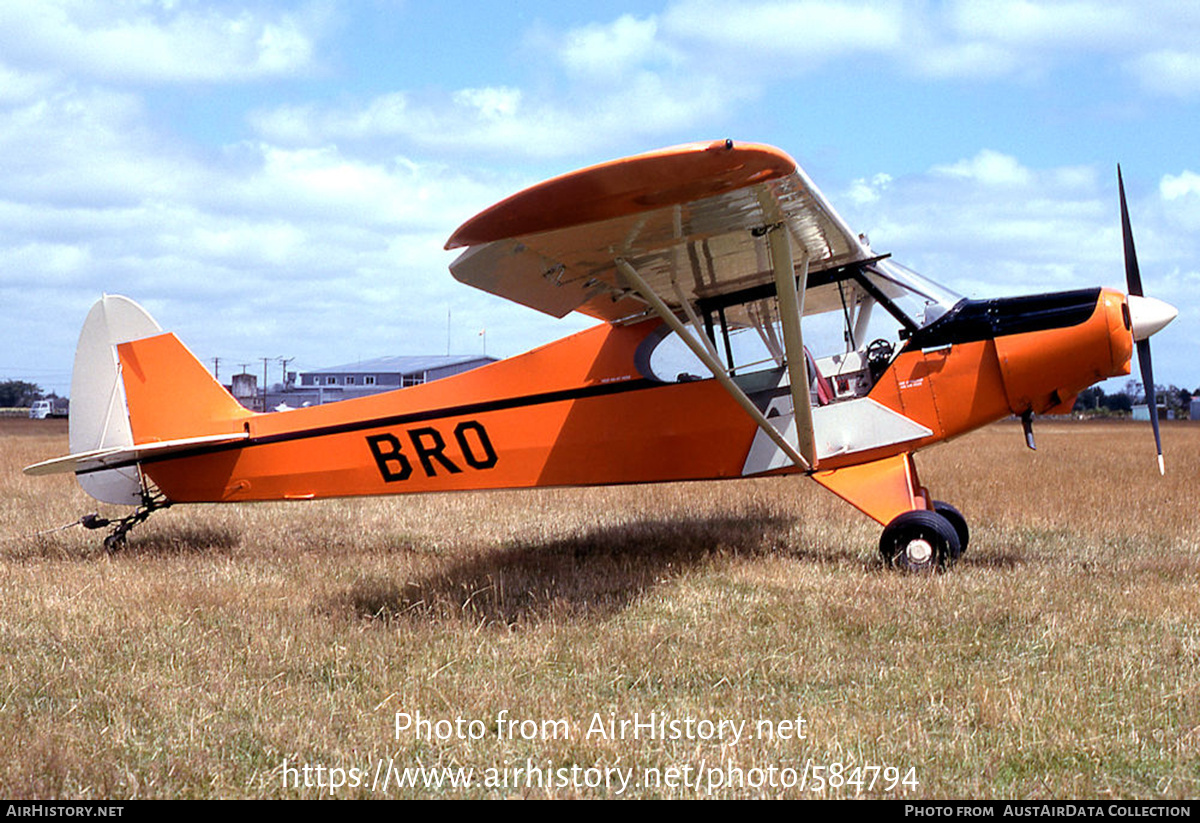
(689, 255)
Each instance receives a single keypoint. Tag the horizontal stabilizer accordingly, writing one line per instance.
(100, 459)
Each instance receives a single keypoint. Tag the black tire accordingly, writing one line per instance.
(957, 521)
(919, 541)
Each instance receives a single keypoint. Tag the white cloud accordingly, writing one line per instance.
(31, 263)
(864, 191)
(611, 50)
(989, 225)
(252, 247)
(502, 120)
(386, 115)
(283, 47)
(76, 147)
(781, 36)
(20, 87)
(947, 60)
(698, 61)
(1169, 72)
(1175, 186)
(1025, 24)
(1155, 41)
(989, 168)
(490, 102)
(1158, 41)
(155, 43)
(1180, 194)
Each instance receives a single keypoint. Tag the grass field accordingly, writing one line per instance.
(245, 651)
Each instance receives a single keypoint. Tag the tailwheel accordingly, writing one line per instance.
(920, 541)
(152, 501)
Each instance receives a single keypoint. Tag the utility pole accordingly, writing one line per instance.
(283, 361)
(244, 367)
(216, 361)
(264, 394)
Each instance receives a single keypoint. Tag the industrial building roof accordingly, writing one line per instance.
(402, 365)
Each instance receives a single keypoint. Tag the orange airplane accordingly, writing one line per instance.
(711, 265)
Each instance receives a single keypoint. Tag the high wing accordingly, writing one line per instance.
(683, 230)
(692, 220)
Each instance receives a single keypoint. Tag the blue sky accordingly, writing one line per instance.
(277, 179)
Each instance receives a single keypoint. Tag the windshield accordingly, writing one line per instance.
(920, 299)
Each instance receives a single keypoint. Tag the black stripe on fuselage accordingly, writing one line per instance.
(581, 393)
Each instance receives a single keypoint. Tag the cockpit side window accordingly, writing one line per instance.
(854, 322)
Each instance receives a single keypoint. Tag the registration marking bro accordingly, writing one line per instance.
(428, 445)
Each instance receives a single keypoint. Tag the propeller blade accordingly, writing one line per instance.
(1152, 315)
(1133, 277)
(1143, 350)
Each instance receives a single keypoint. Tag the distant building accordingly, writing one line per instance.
(387, 373)
(1142, 412)
(244, 388)
(370, 377)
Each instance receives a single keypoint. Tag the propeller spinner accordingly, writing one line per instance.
(1147, 315)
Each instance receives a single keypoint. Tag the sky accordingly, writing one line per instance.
(277, 180)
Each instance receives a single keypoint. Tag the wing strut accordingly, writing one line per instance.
(791, 309)
(694, 320)
(714, 365)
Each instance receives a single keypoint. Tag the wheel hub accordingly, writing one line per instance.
(918, 551)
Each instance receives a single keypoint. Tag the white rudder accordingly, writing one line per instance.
(99, 415)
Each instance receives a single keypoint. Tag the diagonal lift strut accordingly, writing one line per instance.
(782, 264)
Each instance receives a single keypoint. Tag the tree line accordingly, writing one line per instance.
(1098, 402)
(18, 393)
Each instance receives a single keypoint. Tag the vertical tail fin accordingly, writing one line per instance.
(132, 384)
(171, 396)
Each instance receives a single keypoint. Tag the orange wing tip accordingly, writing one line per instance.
(630, 185)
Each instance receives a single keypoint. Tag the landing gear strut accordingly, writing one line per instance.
(923, 540)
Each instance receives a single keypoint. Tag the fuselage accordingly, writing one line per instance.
(585, 410)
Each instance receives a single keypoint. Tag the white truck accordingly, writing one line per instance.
(41, 409)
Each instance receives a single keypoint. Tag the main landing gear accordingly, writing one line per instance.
(924, 540)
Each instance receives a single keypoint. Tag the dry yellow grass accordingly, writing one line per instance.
(227, 645)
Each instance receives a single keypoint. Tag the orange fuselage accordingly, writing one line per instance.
(579, 412)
